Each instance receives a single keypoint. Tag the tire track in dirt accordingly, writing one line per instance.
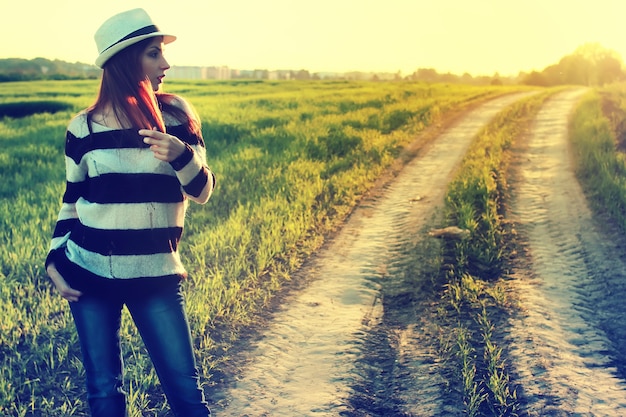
(304, 362)
(563, 345)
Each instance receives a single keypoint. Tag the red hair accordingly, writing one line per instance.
(126, 88)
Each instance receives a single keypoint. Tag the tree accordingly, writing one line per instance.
(609, 70)
(590, 64)
(536, 78)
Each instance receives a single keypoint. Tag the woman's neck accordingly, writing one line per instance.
(106, 116)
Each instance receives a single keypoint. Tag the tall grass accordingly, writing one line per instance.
(600, 168)
(475, 197)
(292, 159)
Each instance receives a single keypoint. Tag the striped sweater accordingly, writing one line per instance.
(123, 210)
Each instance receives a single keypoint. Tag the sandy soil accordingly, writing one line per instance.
(566, 344)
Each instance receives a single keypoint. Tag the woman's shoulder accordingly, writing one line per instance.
(78, 125)
(177, 110)
(180, 103)
(173, 99)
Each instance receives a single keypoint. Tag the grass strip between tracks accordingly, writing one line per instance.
(474, 297)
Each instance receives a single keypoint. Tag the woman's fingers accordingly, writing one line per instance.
(165, 147)
(70, 294)
(67, 292)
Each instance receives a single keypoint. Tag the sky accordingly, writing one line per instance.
(480, 37)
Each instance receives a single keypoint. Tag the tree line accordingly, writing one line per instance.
(18, 69)
(589, 65)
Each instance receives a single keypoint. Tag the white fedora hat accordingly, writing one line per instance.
(125, 29)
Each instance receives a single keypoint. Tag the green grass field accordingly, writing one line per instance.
(291, 158)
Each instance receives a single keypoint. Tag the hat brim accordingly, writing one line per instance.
(107, 54)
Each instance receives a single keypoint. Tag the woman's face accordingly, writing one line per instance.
(153, 62)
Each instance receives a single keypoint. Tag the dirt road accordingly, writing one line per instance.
(349, 345)
(573, 292)
(305, 362)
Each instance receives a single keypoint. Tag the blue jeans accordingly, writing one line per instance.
(159, 314)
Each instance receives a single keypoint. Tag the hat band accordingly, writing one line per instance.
(139, 32)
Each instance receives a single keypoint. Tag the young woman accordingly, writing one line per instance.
(133, 161)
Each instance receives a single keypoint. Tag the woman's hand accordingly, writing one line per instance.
(165, 147)
(67, 292)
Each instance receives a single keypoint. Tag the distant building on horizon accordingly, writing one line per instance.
(199, 73)
(226, 73)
